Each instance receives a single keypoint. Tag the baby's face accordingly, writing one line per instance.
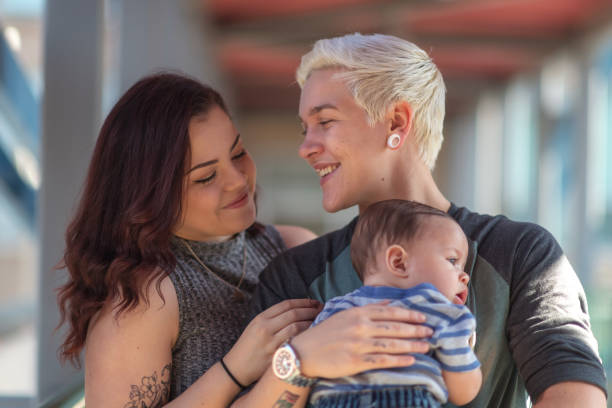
(437, 255)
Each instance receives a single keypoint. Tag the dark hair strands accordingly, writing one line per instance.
(118, 242)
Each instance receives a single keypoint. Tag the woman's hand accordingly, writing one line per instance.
(253, 351)
(360, 339)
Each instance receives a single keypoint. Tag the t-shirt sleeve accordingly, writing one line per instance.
(451, 340)
(290, 274)
(548, 325)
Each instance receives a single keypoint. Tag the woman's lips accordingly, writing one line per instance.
(240, 202)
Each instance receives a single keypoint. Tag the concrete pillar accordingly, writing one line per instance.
(70, 111)
(165, 35)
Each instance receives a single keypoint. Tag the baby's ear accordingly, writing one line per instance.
(396, 259)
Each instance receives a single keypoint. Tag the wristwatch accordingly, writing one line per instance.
(286, 366)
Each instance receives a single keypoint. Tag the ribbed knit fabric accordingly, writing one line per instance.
(210, 317)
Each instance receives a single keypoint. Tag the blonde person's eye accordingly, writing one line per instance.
(452, 260)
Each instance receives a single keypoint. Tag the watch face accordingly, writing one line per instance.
(283, 363)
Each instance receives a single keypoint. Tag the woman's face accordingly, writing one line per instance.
(340, 144)
(220, 182)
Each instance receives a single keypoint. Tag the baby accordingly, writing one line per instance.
(413, 255)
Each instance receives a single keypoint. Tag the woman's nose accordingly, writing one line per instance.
(235, 179)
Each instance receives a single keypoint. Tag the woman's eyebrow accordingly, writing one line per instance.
(208, 163)
(235, 142)
(204, 164)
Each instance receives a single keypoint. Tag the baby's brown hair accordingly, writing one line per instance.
(387, 223)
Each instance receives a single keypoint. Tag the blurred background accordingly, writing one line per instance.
(528, 129)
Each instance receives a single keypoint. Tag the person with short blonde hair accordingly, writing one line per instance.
(372, 111)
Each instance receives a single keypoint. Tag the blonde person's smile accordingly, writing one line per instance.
(325, 170)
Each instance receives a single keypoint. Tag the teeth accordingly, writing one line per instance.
(327, 170)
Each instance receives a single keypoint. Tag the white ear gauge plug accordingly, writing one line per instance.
(393, 141)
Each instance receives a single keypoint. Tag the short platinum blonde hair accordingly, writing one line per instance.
(381, 70)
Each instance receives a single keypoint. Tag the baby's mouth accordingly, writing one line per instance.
(461, 297)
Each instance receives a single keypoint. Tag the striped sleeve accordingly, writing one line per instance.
(451, 342)
(338, 304)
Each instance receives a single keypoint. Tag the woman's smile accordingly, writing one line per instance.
(239, 202)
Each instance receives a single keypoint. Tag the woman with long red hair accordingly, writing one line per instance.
(164, 253)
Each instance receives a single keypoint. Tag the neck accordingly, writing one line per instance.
(410, 180)
(199, 238)
(384, 278)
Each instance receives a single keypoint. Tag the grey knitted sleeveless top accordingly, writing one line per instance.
(211, 318)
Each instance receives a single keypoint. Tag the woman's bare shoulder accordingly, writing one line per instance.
(293, 235)
(160, 306)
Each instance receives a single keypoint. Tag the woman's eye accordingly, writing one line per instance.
(239, 155)
(207, 180)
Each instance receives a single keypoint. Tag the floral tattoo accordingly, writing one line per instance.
(286, 400)
(152, 392)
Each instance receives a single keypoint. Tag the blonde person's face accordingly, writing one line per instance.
(339, 144)
(437, 255)
(220, 183)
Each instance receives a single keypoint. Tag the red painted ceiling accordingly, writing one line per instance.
(261, 41)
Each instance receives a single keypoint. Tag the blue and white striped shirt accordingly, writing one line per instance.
(450, 350)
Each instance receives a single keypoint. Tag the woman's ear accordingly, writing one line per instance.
(396, 260)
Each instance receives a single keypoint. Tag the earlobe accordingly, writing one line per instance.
(393, 141)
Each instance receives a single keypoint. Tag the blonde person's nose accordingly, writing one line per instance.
(310, 147)
(464, 278)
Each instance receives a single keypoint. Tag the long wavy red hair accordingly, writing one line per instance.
(117, 245)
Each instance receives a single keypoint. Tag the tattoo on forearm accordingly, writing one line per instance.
(153, 391)
(286, 400)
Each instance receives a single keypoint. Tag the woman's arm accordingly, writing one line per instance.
(128, 360)
(293, 236)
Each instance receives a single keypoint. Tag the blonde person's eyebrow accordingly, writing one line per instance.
(317, 109)
(208, 163)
